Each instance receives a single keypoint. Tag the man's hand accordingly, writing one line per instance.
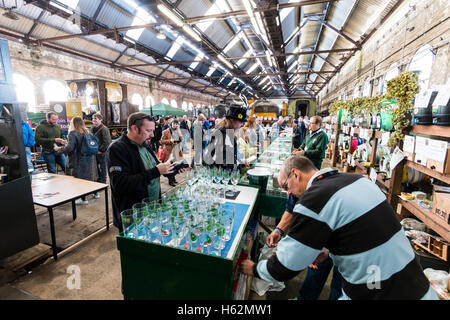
(165, 168)
(60, 141)
(273, 239)
(56, 149)
(320, 258)
(299, 151)
(247, 267)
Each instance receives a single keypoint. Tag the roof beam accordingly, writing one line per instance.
(244, 12)
(94, 17)
(296, 53)
(102, 31)
(248, 57)
(33, 27)
(357, 45)
(254, 75)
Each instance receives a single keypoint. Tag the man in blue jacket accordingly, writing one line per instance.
(28, 140)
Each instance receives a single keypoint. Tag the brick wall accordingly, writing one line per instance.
(62, 66)
(408, 29)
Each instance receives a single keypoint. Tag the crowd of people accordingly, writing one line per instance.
(324, 227)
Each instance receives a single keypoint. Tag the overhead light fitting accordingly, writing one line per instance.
(192, 33)
(221, 58)
(161, 35)
(169, 14)
(269, 58)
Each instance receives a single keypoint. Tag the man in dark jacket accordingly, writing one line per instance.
(299, 133)
(48, 134)
(104, 140)
(133, 168)
(315, 143)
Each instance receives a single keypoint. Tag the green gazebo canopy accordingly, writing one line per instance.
(162, 109)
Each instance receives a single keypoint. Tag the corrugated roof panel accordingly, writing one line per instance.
(365, 14)
(88, 7)
(148, 38)
(29, 10)
(113, 16)
(22, 25)
(43, 31)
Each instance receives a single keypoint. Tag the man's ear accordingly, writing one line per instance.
(297, 174)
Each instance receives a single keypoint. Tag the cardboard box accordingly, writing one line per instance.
(441, 205)
(439, 156)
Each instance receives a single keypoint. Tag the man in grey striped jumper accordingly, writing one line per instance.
(348, 216)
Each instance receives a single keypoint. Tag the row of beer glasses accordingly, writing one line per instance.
(193, 217)
(214, 175)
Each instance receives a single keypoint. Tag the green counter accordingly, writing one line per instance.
(155, 271)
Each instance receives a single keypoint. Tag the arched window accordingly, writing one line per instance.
(55, 91)
(174, 103)
(421, 64)
(190, 106)
(366, 89)
(137, 100)
(165, 101)
(149, 102)
(184, 105)
(25, 91)
(390, 74)
(356, 92)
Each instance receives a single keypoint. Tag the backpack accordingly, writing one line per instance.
(89, 144)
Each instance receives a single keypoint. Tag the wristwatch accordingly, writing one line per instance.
(281, 232)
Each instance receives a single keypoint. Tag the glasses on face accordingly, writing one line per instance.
(284, 185)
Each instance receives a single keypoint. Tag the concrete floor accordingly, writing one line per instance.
(97, 260)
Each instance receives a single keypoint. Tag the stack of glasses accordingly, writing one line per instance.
(195, 217)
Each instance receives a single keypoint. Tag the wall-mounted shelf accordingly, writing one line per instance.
(432, 173)
(426, 216)
(438, 131)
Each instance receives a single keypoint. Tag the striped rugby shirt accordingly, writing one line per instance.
(349, 215)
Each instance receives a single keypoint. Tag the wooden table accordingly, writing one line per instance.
(51, 190)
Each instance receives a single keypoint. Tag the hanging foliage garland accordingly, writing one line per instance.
(401, 89)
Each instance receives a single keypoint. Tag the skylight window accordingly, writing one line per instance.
(211, 71)
(198, 57)
(70, 3)
(175, 47)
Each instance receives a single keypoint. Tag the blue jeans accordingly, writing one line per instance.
(52, 158)
(29, 162)
(315, 280)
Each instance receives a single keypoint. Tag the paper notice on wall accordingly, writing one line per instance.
(437, 150)
(422, 99)
(385, 138)
(409, 144)
(396, 158)
(421, 145)
(421, 150)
